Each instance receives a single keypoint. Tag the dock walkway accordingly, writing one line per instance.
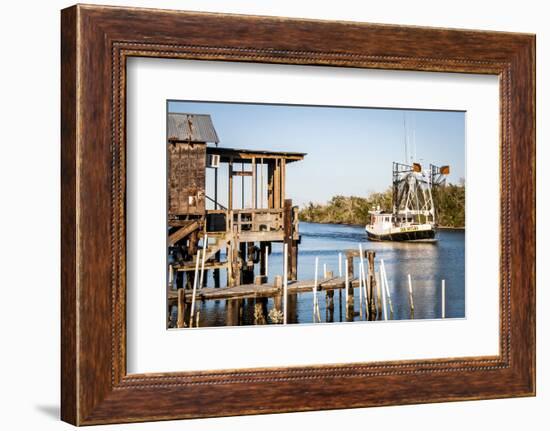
(266, 290)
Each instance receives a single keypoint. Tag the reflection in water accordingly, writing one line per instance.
(427, 264)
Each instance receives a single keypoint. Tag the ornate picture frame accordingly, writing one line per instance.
(96, 41)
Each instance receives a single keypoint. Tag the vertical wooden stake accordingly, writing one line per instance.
(195, 279)
(346, 282)
(324, 270)
(378, 295)
(204, 247)
(443, 299)
(315, 289)
(285, 283)
(382, 277)
(386, 285)
(366, 295)
(361, 281)
(261, 182)
(170, 276)
(181, 308)
(411, 301)
(339, 264)
(266, 261)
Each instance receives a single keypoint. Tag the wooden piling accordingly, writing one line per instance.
(360, 281)
(350, 273)
(411, 299)
(216, 273)
(365, 290)
(443, 299)
(232, 312)
(378, 295)
(195, 280)
(384, 308)
(170, 276)
(386, 286)
(315, 289)
(204, 251)
(259, 313)
(285, 283)
(181, 308)
(264, 258)
(278, 299)
(291, 259)
(372, 286)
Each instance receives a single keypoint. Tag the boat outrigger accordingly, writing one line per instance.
(413, 217)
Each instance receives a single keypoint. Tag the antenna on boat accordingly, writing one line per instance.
(414, 137)
(405, 136)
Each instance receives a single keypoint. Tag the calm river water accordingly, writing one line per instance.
(427, 264)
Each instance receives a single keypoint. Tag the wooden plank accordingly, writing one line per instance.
(242, 173)
(251, 236)
(230, 186)
(207, 265)
(265, 290)
(183, 232)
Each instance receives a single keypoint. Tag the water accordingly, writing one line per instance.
(427, 264)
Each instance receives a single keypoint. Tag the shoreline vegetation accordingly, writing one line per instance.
(353, 210)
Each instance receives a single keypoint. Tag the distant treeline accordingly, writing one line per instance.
(449, 201)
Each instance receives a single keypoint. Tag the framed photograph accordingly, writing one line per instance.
(325, 214)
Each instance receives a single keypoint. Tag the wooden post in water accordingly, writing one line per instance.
(289, 240)
(386, 286)
(324, 270)
(378, 295)
(443, 299)
(170, 277)
(315, 288)
(372, 286)
(278, 299)
(216, 272)
(181, 308)
(411, 300)
(350, 271)
(360, 281)
(346, 281)
(232, 312)
(365, 290)
(384, 308)
(264, 252)
(259, 312)
(204, 247)
(339, 264)
(195, 280)
(285, 283)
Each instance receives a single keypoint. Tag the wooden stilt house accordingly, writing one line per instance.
(235, 236)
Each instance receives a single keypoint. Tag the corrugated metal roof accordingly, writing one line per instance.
(191, 128)
(241, 154)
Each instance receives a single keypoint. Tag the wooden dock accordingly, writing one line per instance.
(267, 290)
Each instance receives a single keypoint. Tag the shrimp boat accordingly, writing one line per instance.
(413, 217)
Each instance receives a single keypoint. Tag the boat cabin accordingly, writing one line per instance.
(380, 220)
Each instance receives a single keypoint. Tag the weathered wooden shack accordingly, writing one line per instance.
(243, 230)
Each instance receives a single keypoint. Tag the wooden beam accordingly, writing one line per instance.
(277, 185)
(270, 184)
(230, 190)
(242, 185)
(254, 197)
(215, 188)
(265, 290)
(283, 181)
(183, 232)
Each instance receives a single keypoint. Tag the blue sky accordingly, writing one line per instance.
(350, 150)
